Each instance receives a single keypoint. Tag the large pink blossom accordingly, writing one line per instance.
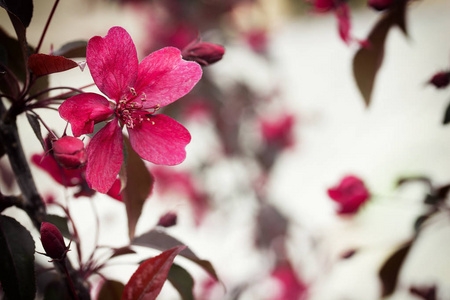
(134, 91)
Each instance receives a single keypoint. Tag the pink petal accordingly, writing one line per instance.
(164, 77)
(160, 141)
(105, 156)
(344, 22)
(113, 62)
(83, 111)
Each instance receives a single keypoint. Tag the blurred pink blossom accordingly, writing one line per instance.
(350, 194)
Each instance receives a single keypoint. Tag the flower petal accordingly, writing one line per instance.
(161, 140)
(164, 77)
(83, 111)
(105, 156)
(113, 62)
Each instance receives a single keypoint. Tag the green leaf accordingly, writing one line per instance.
(446, 119)
(16, 260)
(36, 126)
(61, 223)
(111, 290)
(368, 59)
(182, 281)
(391, 268)
(72, 49)
(157, 239)
(138, 189)
(12, 65)
(56, 290)
(22, 9)
(148, 280)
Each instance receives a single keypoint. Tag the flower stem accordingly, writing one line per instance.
(46, 26)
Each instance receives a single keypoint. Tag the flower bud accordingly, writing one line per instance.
(380, 5)
(168, 220)
(324, 5)
(69, 152)
(53, 241)
(440, 80)
(350, 193)
(203, 53)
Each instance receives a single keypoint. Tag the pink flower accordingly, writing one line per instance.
(350, 194)
(291, 287)
(342, 13)
(135, 92)
(69, 152)
(71, 178)
(278, 131)
(182, 182)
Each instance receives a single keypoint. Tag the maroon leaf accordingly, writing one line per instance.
(22, 9)
(138, 188)
(111, 290)
(146, 283)
(426, 293)
(122, 251)
(43, 64)
(368, 59)
(159, 240)
(391, 268)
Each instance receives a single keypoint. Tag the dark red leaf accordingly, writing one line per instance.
(162, 241)
(122, 251)
(43, 64)
(391, 268)
(22, 9)
(426, 293)
(138, 188)
(368, 59)
(146, 283)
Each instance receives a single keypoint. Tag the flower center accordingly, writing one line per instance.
(131, 112)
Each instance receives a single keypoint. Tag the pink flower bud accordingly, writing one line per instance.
(203, 53)
(53, 241)
(168, 220)
(350, 194)
(380, 4)
(440, 80)
(69, 152)
(324, 5)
